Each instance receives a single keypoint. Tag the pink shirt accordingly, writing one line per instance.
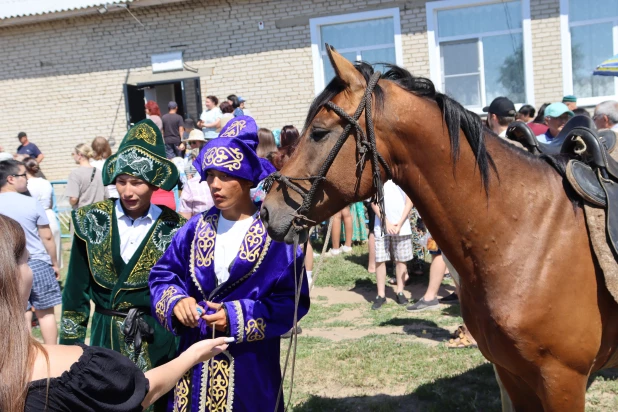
(195, 197)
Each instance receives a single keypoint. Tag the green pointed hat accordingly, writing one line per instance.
(142, 154)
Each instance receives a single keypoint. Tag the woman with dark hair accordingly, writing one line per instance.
(267, 143)
(526, 113)
(40, 189)
(228, 112)
(288, 138)
(210, 120)
(58, 378)
(154, 113)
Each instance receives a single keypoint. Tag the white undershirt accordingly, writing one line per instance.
(132, 232)
(230, 234)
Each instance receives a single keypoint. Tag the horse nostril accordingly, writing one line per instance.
(264, 216)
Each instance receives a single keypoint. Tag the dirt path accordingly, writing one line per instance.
(330, 295)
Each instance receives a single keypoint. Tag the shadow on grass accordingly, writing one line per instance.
(421, 328)
(474, 390)
(452, 310)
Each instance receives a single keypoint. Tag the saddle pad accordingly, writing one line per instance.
(597, 229)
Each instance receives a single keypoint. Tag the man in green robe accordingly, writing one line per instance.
(116, 243)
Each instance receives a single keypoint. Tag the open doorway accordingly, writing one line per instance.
(186, 93)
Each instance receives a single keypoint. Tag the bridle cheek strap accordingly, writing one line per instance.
(365, 145)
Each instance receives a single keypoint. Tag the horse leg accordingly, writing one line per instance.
(563, 389)
(522, 397)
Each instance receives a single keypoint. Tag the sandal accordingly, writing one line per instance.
(462, 342)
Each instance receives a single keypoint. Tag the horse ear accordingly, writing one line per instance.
(345, 70)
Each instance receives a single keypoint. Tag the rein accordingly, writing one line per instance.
(365, 145)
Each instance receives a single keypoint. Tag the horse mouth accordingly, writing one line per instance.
(283, 230)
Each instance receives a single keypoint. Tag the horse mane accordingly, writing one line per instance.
(455, 116)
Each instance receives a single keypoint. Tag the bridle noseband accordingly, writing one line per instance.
(365, 144)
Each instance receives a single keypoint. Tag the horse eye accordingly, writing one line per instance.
(318, 134)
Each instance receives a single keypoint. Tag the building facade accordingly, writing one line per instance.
(67, 76)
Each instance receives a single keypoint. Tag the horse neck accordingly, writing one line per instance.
(470, 225)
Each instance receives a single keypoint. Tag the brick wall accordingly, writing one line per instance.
(61, 81)
(546, 50)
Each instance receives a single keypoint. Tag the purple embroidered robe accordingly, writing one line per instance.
(259, 301)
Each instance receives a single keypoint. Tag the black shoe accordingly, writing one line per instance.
(450, 299)
(401, 299)
(378, 302)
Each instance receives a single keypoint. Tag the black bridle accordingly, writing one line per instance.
(365, 144)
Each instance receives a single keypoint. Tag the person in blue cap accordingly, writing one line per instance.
(223, 276)
(556, 116)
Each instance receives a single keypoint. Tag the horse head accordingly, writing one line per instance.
(329, 135)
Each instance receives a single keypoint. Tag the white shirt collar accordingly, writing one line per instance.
(615, 127)
(153, 212)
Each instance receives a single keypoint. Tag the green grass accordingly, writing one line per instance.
(424, 377)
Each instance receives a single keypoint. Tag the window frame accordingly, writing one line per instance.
(316, 37)
(436, 72)
(567, 61)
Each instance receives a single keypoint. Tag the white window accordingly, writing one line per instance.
(481, 49)
(589, 36)
(373, 37)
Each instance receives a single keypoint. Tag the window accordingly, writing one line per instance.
(373, 37)
(590, 36)
(477, 53)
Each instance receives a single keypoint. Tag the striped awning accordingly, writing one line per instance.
(608, 68)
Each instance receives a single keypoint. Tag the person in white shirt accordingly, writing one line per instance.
(398, 238)
(606, 115)
(210, 120)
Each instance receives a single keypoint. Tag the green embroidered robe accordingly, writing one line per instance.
(97, 272)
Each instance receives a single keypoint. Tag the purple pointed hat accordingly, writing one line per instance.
(233, 152)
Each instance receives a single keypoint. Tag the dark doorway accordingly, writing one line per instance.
(186, 93)
(134, 103)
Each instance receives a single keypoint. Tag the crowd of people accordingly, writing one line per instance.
(193, 295)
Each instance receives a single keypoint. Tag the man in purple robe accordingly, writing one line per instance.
(223, 276)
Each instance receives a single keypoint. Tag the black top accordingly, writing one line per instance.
(101, 380)
(171, 127)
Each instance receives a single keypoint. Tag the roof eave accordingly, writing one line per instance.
(67, 14)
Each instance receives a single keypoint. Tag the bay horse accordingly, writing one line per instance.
(532, 293)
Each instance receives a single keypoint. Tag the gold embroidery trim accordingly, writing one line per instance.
(217, 391)
(162, 307)
(99, 255)
(250, 248)
(143, 132)
(235, 128)
(240, 319)
(181, 392)
(255, 330)
(255, 268)
(227, 157)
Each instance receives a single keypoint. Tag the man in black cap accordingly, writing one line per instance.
(500, 113)
(173, 129)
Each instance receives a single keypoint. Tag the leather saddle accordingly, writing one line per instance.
(591, 171)
(520, 132)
